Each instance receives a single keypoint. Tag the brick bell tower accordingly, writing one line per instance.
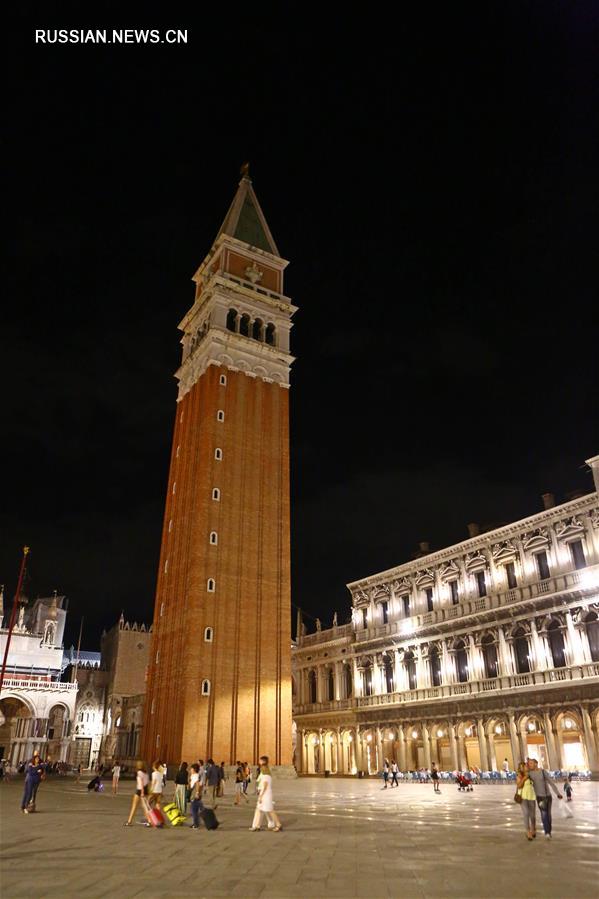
(219, 675)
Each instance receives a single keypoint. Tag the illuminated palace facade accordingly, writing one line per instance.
(485, 651)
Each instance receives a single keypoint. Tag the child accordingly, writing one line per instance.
(568, 788)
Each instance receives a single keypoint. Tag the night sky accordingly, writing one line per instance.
(433, 182)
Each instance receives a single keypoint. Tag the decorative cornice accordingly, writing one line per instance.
(547, 517)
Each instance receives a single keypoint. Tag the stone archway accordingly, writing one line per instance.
(571, 744)
(16, 733)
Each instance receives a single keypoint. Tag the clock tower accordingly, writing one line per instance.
(219, 676)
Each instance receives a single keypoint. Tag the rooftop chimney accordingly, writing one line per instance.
(548, 500)
(473, 529)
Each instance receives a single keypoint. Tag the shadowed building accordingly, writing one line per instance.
(219, 678)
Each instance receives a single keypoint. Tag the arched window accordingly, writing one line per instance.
(592, 628)
(435, 663)
(367, 679)
(205, 687)
(232, 320)
(389, 674)
(312, 686)
(489, 656)
(461, 659)
(211, 586)
(349, 681)
(223, 380)
(331, 684)
(556, 642)
(216, 494)
(208, 634)
(258, 330)
(270, 334)
(218, 454)
(213, 538)
(220, 415)
(244, 325)
(521, 652)
(410, 664)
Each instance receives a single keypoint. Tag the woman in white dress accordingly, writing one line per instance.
(265, 803)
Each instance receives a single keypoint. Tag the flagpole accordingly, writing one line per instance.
(13, 613)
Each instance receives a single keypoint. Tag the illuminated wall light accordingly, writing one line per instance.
(468, 731)
(531, 725)
(350, 739)
(498, 729)
(415, 734)
(369, 738)
(440, 733)
(391, 736)
(568, 723)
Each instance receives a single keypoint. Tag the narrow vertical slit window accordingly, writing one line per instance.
(211, 586)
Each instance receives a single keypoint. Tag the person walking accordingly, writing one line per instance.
(213, 776)
(385, 774)
(181, 783)
(568, 788)
(222, 776)
(265, 804)
(541, 782)
(247, 776)
(526, 791)
(195, 786)
(116, 773)
(156, 786)
(435, 778)
(141, 789)
(505, 769)
(34, 771)
(394, 774)
(239, 782)
(78, 773)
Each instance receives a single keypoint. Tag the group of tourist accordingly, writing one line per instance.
(202, 781)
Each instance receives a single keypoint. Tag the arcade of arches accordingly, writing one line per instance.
(22, 731)
(559, 739)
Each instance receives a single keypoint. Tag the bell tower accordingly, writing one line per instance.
(219, 674)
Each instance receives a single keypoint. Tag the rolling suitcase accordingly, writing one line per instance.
(174, 815)
(209, 819)
(153, 815)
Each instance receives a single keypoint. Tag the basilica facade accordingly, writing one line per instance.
(469, 656)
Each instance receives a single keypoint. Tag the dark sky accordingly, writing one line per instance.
(433, 181)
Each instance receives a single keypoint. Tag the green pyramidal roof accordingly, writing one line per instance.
(245, 220)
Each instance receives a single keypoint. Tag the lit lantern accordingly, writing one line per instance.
(439, 733)
(415, 734)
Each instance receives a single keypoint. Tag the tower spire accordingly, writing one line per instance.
(245, 220)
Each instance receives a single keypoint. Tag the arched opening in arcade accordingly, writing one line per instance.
(468, 748)
(571, 744)
(59, 728)
(370, 760)
(21, 733)
(498, 744)
(534, 743)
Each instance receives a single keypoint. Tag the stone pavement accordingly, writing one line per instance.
(341, 838)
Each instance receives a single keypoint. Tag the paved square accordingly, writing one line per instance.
(342, 838)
